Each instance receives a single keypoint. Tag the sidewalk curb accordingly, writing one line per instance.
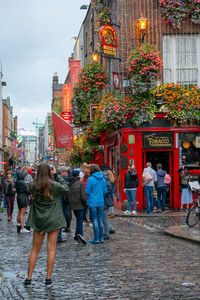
(154, 215)
(184, 232)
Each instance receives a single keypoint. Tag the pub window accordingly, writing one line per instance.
(189, 148)
(181, 62)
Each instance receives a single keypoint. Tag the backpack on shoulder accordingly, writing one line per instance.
(108, 198)
(167, 179)
(147, 177)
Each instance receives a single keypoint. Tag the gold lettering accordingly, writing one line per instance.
(158, 141)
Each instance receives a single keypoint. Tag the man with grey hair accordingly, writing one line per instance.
(63, 171)
(149, 178)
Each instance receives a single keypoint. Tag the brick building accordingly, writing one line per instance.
(180, 48)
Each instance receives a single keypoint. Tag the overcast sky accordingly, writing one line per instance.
(35, 42)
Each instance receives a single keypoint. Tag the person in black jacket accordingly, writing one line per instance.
(22, 200)
(131, 183)
(77, 201)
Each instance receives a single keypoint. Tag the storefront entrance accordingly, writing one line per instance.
(158, 157)
(165, 158)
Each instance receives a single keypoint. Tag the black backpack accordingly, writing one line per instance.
(108, 198)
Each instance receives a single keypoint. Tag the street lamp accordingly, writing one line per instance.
(84, 6)
(142, 22)
(95, 57)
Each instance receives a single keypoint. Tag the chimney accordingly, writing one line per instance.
(15, 123)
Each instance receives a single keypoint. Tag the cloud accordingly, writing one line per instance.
(35, 43)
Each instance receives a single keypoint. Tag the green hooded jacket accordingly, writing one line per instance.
(46, 214)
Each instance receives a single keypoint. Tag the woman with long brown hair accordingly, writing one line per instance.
(45, 216)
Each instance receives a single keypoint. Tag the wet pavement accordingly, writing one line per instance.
(138, 262)
(185, 232)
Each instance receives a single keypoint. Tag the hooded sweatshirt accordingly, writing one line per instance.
(160, 178)
(96, 188)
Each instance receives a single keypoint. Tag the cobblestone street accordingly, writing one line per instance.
(138, 262)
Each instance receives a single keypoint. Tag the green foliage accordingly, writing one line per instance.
(88, 90)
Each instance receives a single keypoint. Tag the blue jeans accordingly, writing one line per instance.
(162, 192)
(97, 219)
(79, 222)
(85, 214)
(131, 196)
(148, 191)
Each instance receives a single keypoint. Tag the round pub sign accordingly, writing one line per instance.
(109, 40)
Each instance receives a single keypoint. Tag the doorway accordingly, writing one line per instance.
(158, 157)
(165, 158)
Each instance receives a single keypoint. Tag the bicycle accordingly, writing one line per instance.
(193, 216)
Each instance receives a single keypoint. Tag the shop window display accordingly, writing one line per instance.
(190, 146)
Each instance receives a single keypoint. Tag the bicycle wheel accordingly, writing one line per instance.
(193, 215)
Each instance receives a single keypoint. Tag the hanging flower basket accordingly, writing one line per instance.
(144, 67)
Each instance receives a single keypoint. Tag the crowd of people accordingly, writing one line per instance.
(52, 195)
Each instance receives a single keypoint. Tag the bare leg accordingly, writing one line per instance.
(51, 248)
(36, 246)
(18, 216)
(22, 213)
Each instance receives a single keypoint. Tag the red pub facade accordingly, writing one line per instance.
(159, 142)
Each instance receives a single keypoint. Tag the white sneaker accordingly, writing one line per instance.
(91, 224)
(84, 223)
(24, 230)
(127, 212)
(134, 212)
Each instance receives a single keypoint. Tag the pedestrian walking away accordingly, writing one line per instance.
(149, 178)
(161, 188)
(86, 174)
(45, 216)
(62, 171)
(108, 202)
(96, 188)
(22, 201)
(77, 201)
(131, 182)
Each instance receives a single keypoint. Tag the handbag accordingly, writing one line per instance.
(194, 186)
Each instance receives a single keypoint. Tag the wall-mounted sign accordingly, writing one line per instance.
(131, 139)
(116, 81)
(67, 116)
(158, 140)
(67, 97)
(109, 40)
(93, 110)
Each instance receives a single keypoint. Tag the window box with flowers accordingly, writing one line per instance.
(144, 67)
(175, 12)
(180, 103)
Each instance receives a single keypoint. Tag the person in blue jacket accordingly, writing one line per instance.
(96, 188)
